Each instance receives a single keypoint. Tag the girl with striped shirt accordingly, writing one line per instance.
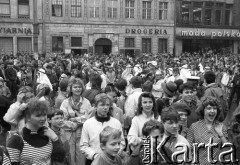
(37, 144)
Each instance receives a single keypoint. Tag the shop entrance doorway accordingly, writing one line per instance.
(103, 46)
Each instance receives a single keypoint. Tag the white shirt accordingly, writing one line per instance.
(131, 103)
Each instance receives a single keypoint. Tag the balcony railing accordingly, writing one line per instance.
(4, 16)
(24, 16)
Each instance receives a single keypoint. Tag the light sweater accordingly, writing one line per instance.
(90, 143)
(135, 132)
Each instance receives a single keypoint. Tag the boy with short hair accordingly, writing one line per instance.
(110, 140)
(55, 119)
(170, 119)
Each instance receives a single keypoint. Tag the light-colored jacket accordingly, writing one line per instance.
(90, 143)
(131, 103)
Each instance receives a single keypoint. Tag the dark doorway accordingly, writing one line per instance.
(77, 51)
(103, 46)
(129, 52)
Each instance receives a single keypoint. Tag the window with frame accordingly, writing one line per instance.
(129, 9)
(146, 9)
(23, 8)
(129, 42)
(112, 12)
(218, 15)
(197, 12)
(94, 12)
(5, 7)
(76, 8)
(208, 13)
(57, 8)
(163, 10)
(146, 45)
(57, 44)
(186, 12)
(76, 41)
(162, 45)
(228, 14)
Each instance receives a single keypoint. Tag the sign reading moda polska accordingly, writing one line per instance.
(213, 33)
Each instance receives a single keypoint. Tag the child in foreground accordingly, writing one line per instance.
(110, 140)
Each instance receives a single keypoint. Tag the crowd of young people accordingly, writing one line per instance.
(70, 109)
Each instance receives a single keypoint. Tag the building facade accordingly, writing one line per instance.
(16, 26)
(212, 24)
(129, 27)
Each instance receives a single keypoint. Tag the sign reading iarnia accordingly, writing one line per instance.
(182, 152)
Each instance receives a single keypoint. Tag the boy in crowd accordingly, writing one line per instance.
(110, 140)
(155, 129)
(171, 120)
(55, 119)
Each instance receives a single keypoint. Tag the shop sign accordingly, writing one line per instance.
(146, 31)
(7, 30)
(213, 34)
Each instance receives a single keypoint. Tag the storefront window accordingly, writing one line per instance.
(4, 7)
(57, 8)
(163, 10)
(129, 42)
(6, 45)
(76, 41)
(162, 45)
(146, 10)
(24, 44)
(23, 8)
(57, 44)
(76, 8)
(197, 12)
(146, 45)
(129, 9)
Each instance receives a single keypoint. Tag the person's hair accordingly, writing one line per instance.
(147, 86)
(42, 90)
(121, 84)
(212, 101)
(54, 112)
(63, 85)
(103, 97)
(109, 132)
(36, 106)
(110, 88)
(186, 86)
(75, 81)
(209, 77)
(136, 82)
(95, 80)
(25, 89)
(147, 95)
(152, 125)
(169, 114)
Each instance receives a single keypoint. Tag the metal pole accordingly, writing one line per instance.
(35, 28)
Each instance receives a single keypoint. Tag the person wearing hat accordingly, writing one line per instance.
(169, 92)
(184, 111)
